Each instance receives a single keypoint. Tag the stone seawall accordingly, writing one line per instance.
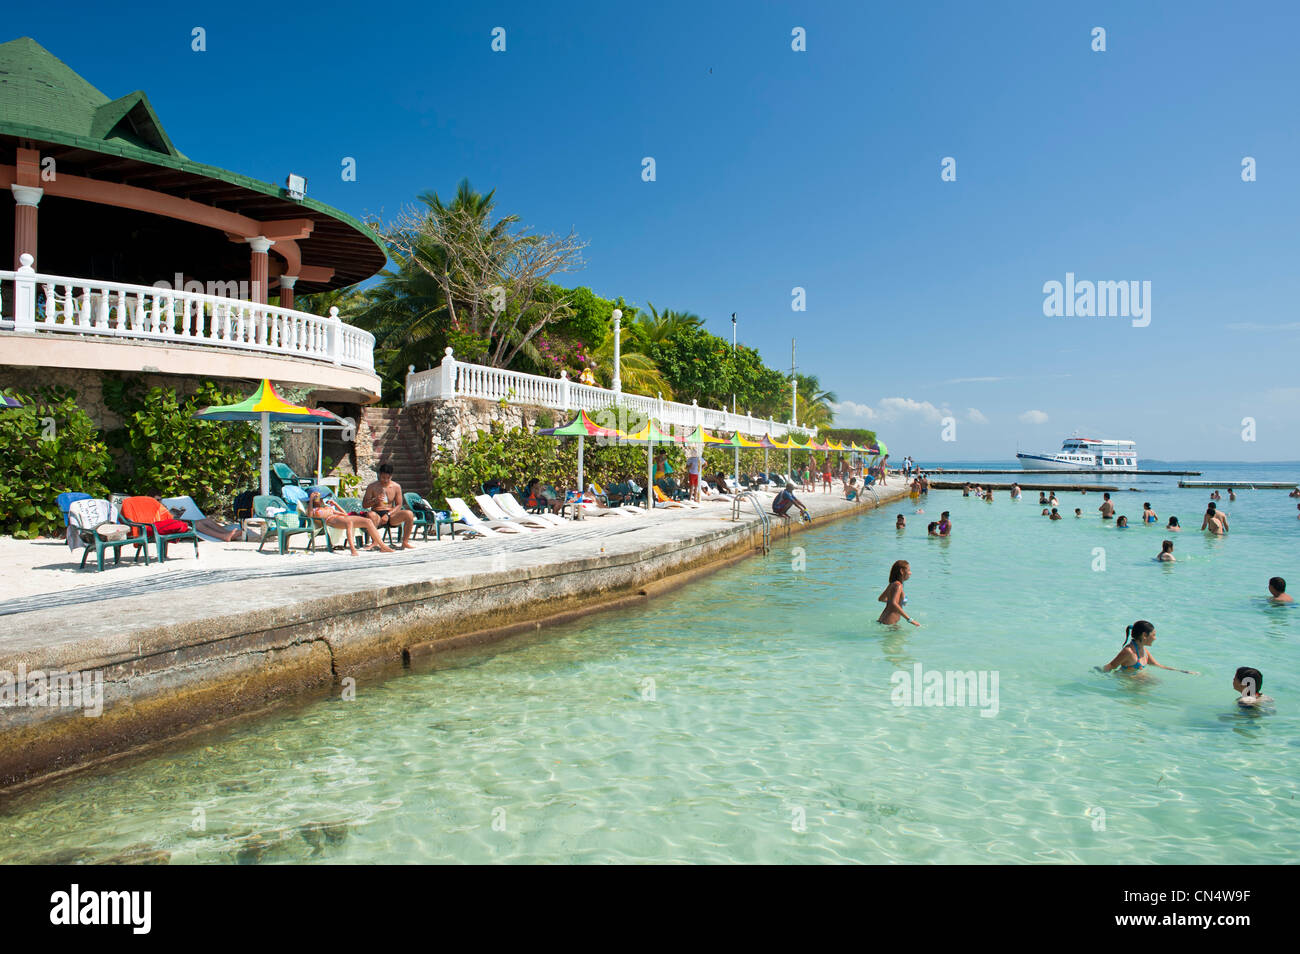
(183, 660)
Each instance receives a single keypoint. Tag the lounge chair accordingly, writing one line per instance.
(282, 475)
(708, 493)
(495, 511)
(93, 524)
(283, 521)
(663, 500)
(190, 513)
(460, 511)
(144, 514)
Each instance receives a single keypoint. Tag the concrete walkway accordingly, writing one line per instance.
(183, 648)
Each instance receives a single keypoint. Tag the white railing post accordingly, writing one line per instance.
(25, 294)
(447, 375)
(336, 335)
(564, 389)
(406, 385)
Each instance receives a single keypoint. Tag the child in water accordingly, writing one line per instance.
(1078, 512)
(900, 523)
(1249, 682)
(1277, 591)
(1121, 523)
(893, 597)
(1173, 526)
(1136, 654)
(1166, 552)
(1055, 515)
(933, 528)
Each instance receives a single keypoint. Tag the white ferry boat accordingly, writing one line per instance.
(1085, 453)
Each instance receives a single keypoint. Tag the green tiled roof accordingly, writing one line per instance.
(38, 90)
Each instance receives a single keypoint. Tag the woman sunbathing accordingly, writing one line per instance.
(334, 516)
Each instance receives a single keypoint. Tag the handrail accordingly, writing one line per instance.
(61, 304)
(762, 516)
(456, 379)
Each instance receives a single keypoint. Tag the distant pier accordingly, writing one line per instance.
(955, 485)
(1241, 484)
(1099, 473)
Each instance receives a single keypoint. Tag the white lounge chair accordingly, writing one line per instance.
(460, 511)
(489, 505)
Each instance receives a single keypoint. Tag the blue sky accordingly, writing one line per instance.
(820, 169)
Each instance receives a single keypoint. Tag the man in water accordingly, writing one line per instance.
(1214, 521)
(1277, 591)
(1107, 508)
(1249, 682)
(1015, 491)
(384, 505)
(785, 500)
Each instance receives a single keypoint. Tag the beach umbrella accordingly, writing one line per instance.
(737, 441)
(650, 435)
(267, 406)
(581, 427)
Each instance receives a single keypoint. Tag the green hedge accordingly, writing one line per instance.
(46, 447)
(162, 451)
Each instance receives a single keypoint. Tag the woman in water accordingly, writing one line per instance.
(1121, 523)
(1173, 526)
(1166, 552)
(893, 597)
(1136, 654)
(1052, 501)
(1148, 515)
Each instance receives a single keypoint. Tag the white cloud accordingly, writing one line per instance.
(849, 413)
(973, 380)
(975, 417)
(893, 408)
(1034, 417)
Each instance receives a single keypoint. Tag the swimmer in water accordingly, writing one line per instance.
(1249, 681)
(933, 528)
(945, 525)
(1136, 654)
(1231, 494)
(1277, 591)
(1213, 521)
(1015, 491)
(1121, 523)
(1052, 501)
(1107, 508)
(900, 523)
(1055, 515)
(1042, 499)
(1078, 512)
(1166, 552)
(893, 597)
(1215, 496)
(1045, 512)
(1294, 493)
(1148, 515)
(1173, 526)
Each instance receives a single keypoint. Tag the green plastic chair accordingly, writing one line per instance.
(284, 524)
(149, 531)
(424, 521)
(90, 537)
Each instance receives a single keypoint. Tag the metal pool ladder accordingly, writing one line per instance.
(762, 516)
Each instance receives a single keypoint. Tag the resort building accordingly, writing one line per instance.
(121, 254)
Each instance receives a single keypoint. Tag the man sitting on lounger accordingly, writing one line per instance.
(383, 503)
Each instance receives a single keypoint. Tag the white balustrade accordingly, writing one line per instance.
(456, 379)
(62, 305)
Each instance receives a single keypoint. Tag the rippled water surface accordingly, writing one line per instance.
(748, 717)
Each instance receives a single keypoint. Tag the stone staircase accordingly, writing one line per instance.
(397, 441)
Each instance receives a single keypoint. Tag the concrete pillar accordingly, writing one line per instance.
(27, 199)
(286, 290)
(259, 273)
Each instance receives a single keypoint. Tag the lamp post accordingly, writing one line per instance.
(618, 352)
(733, 393)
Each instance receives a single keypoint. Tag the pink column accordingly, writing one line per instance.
(259, 273)
(286, 290)
(27, 198)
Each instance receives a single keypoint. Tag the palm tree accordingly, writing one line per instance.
(638, 371)
(660, 326)
(814, 403)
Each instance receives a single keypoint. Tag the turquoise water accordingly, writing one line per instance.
(748, 717)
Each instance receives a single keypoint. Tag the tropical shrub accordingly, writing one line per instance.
(162, 451)
(46, 447)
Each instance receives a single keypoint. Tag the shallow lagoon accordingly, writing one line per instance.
(748, 717)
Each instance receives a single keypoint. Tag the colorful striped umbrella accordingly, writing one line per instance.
(581, 427)
(267, 406)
